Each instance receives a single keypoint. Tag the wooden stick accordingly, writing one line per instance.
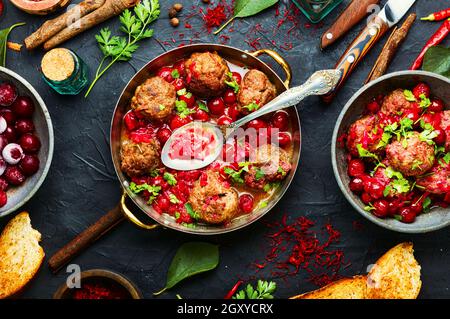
(70, 18)
(390, 48)
(109, 9)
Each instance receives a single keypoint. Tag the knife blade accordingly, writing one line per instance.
(390, 15)
(353, 14)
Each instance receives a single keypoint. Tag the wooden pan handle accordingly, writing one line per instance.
(86, 238)
(354, 13)
(357, 50)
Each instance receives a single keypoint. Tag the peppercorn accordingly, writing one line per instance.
(178, 7)
(174, 22)
(172, 13)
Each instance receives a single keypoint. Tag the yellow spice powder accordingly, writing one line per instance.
(58, 64)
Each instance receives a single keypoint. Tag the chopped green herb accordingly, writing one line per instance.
(416, 165)
(177, 215)
(173, 199)
(398, 183)
(426, 205)
(162, 107)
(181, 92)
(202, 106)
(264, 290)
(365, 153)
(369, 208)
(427, 136)
(263, 204)
(251, 107)
(175, 74)
(424, 101)
(182, 108)
(235, 175)
(409, 96)
(153, 190)
(281, 171)
(259, 174)
(232, 82)
(170, 178)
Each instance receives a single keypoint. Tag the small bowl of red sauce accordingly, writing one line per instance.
(99, 284)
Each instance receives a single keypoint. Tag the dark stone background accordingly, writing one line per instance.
(75, 195)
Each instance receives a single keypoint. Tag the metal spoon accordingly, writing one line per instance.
(320, 83)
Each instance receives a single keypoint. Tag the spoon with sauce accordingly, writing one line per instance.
(198, 144)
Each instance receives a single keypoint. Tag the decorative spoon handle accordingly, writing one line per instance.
(320, 83)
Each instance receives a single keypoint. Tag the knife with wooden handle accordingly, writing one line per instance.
(389, 16)
(354, 13)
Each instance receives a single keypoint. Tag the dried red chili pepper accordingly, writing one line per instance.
(437, 38)
(233, 290)
(438, 16)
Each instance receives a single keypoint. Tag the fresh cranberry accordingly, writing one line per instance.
(8, 94)
(178, 121)
(246, 203)
(356, 168)
(284, 139)
(10, 134)
(163, 135)
(166, 73)
(417, 207)
(356, 185)
(232, 112)
(24, 126)
(420, 89)
(366, 198)
(189, 98)
(3, 142)
(280, 120)
(3, 184)
(29, 164)
(381, 208)
(8, 115)
(180, 66)
(14, 176)
(30, 143)
(23, 106)
(373, 107)
(201, 115)
(163, 202)
(412, 114)
(3, 198)
(407, 214)
(436, 106)
(216, 106)
(131, 120)
(179, 84)
(440, 138)
(224, 120)
(237, 77)
(374, 189)
(229, 97)
(257, 124)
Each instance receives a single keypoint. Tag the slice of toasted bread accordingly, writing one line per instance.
(348, 288)
(20, 255)
(396, 275)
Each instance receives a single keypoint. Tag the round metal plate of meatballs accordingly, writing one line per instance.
(437, 218)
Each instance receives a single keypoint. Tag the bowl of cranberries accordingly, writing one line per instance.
(26, 141)
(391, 151)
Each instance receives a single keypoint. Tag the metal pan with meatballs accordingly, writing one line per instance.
(398, 154)
(205, 87)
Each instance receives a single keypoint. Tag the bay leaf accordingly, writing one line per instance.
(437, 60)
(191, 259)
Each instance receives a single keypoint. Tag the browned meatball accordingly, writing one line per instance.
(140, 158)
(410, 155)
(206, 74)
(269, 164)
(438, 181)
(256, 88)
(214, 202)
(365, 132)
(395, 103)
(445, 125)
(155, 98)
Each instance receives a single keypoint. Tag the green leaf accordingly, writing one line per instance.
(437, 60)
(251, 107)
(246, 8)
(232, 82)
(175, 74)
(182, 108)
(153, 190)
(259, 174)
(263, 290)
(426, 204)
(170, 178)
(3, 42)
(191, 259)
(173, 199)
(409, 96)
(235, 175)
(202, 106)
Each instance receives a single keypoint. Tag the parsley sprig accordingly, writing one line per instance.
(232, 83)
(153, 190)
(264, 290)
(121, 48)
